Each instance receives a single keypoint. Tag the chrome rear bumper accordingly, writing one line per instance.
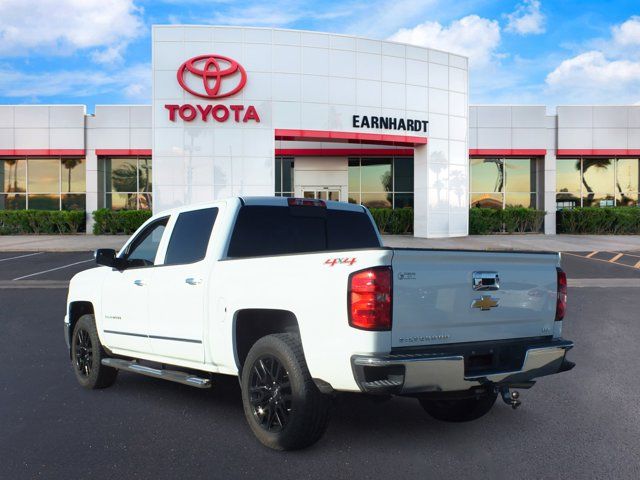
(443, 372)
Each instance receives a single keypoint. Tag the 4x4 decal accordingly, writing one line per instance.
(343, 261)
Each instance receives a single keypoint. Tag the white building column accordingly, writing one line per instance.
(92, 176)
(550, 193)
(420, 193)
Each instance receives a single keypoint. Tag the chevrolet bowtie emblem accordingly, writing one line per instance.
(486, 302)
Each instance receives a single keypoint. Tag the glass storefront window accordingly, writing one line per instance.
(598, 176)
(597, 182)
(487, 175)
(487, 200)
(43, 175)
(381, 182)
(73, 176)
(377, 200)
(13, 175)
(520, 175)
(284, 177)
(10, 201)
(354, 177)
(490, 177)
(568, 175)
(526, 200)
(43, 202)
(627, 175)
(73, 201)
(376, 175)
(128, 183)
(43, 183)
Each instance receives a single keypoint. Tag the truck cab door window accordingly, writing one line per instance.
(142, 250)
(190, 236)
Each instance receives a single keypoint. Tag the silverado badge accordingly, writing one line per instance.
(486, 302)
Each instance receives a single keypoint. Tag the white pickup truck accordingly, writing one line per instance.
(301, 301)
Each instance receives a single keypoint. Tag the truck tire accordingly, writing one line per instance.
(459, 410)
(87, 354)
(282, 404)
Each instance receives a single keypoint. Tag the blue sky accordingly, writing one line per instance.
(525, 52)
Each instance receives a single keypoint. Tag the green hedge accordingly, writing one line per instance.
(19, 222)
(599, 221)
(390, 221)
(484, 221)
(118, 221)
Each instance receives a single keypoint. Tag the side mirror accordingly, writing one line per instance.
(106, 257)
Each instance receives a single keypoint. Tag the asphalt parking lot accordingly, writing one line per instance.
(581, 424)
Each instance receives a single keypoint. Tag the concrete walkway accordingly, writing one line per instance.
(559, 243)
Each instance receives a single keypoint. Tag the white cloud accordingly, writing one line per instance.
(63, 26)
(526, 19)
(609, 73)
(472, 36)
(134, 82)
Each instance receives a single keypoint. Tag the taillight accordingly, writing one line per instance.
(369, 299)
(561, 302)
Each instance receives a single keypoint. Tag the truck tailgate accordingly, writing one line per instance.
(434, 301)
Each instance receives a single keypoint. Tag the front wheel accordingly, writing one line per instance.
(459, 410)
(87, 354)
(282, 404)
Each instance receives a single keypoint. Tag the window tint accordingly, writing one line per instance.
(190, 236)
(266, 230)
(142, 251)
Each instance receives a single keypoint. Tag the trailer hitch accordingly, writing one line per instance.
(510, 398)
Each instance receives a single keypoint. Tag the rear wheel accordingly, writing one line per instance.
(459, 410)
(282, 404)
(87, 354)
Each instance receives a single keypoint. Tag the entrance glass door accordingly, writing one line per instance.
(322, 193)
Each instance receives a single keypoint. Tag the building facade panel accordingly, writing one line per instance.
(303, 124)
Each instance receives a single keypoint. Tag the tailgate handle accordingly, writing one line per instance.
(484, 281)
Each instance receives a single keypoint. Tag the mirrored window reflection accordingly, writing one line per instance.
(144, 174)
(487, 175)
(597, 182)
(376, 175)
(628, 175)
(284, 177)
(13, 175)
(43, 175)
(520, 175)
(490, 177)
(128, 183)
(39, 183)
(526, 200)
(598, 176)
(354, 178)
(568, 175)
(73, 175)
(487, 200)
(381, 182)
(11, 201)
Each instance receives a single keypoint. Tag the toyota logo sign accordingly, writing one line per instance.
(212, 77)
(206, 75)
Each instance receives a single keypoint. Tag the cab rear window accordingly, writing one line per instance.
(270, 230)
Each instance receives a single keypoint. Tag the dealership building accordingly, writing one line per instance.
(255, 111)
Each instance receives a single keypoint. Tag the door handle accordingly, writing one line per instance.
(139, 283)
(193, 281)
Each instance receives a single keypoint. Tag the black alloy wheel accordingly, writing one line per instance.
(270, 393)
(87, 354)
(84, 352)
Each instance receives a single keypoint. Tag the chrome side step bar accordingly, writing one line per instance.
(171, 375)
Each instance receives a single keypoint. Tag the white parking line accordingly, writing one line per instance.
(21, 256)
(52, 269)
